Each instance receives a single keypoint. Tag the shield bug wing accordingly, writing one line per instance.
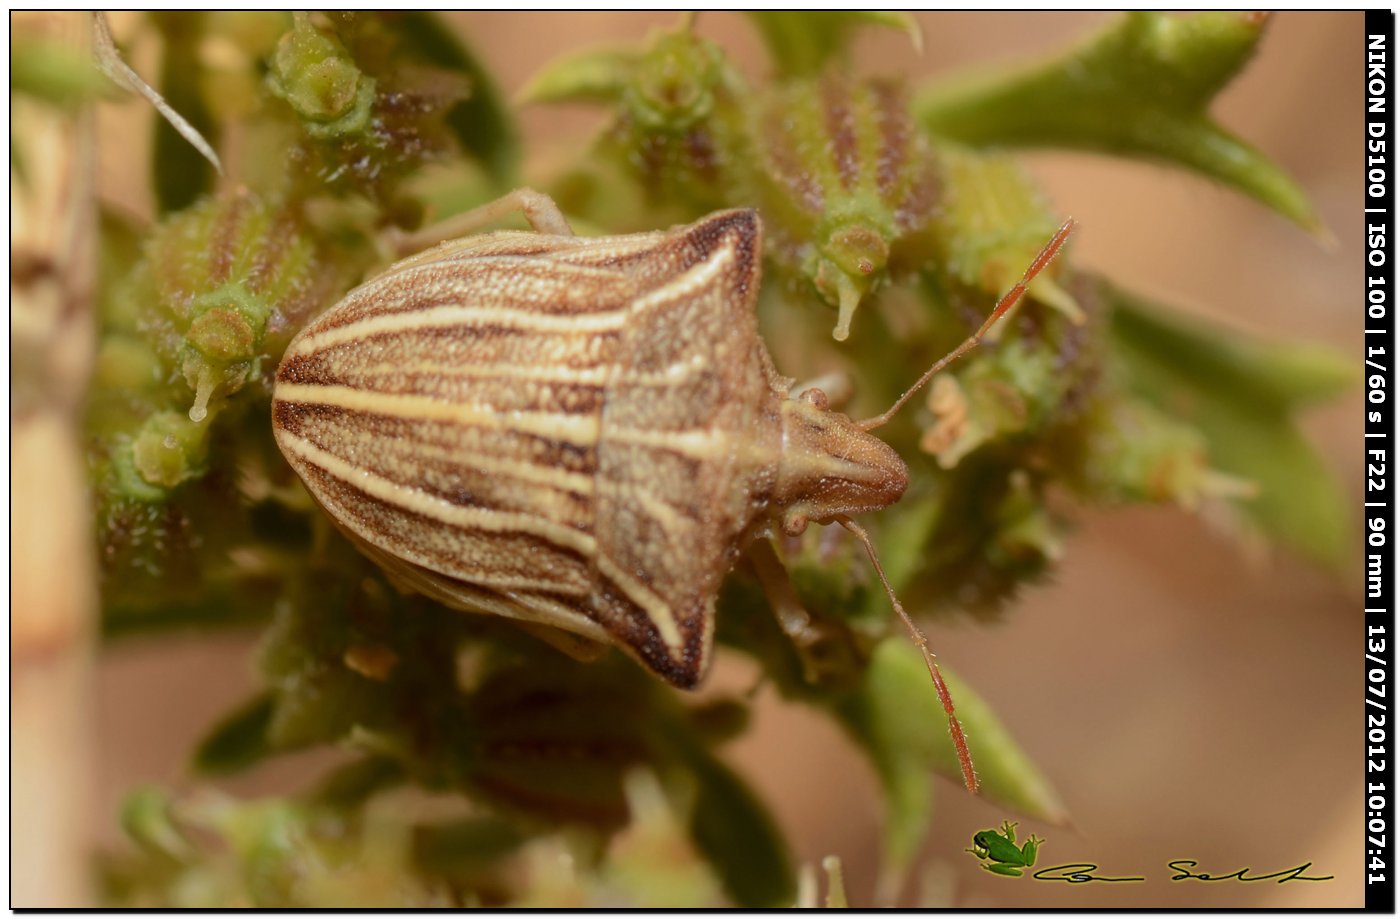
(446, 415)
(553, 429)
(690, 443)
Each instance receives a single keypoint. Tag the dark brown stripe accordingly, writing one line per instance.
(515, 554)
(633, 628)
(788, 166)
(226, 220)
(841, 129)
(892, 121)
(921, 198)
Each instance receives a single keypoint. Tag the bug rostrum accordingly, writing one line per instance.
(579, 433)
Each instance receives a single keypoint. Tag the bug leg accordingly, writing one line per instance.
(796, 622)
(805, 633)
(539, 209)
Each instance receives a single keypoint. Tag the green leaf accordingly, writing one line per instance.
(147, 819)
(1275, 377)
(355, 782)
(897, 718)
(482, 123)
(54, 72)
(455, 849)
(1140, 89)
(1244, 396)
(1008, 776)
(734, 831)
(801, 42)
(901, 539)
(238, 741)
(180, 171)
(596, 75)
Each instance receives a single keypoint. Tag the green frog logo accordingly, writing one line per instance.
(998, 850)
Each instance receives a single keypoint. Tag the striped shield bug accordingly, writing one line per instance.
(580, 433)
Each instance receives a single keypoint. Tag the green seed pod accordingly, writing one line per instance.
(219, 290)
(314, 73)
(226, 273)
(848, 186)
(679, 123)
(168, 450)
(992, 220)
(1132, 452)
(367, 117)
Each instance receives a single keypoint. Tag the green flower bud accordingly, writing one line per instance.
(317, 77)
(169, 449)
(848, 185)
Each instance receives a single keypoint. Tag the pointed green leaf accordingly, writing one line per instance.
(355, 782)
(54, 72)
(457, 848)
(902, 538)
(1244, 396)
(598, 75)
(736, 834)
(482, 123)
(1278, 376)
(238, 741)
(1299, 502)
(801, 42)
(1008, 776)
(1140, 89)
(897, 718)
(147, 819)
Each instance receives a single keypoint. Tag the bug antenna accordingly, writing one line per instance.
(1008, 300)
(944, 696)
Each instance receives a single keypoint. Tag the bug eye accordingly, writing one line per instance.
(816, 397)
(795, 524)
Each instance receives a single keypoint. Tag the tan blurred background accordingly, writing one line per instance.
(1186, 701)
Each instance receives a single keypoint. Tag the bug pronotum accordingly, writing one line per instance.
(581, 433)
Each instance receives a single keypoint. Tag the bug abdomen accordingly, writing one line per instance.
(456, 432)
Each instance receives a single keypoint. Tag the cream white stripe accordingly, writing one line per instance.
(657, 610)
(536, 473)
(672, 520)
(586, 376)
(418, 502)
(533, 264)
(444, 317)
(580, 430)
(499, 251)
(608, 247)
(697, 444)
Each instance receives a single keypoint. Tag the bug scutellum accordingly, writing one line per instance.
(580, 433)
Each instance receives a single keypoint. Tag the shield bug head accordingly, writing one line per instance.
(580, 434)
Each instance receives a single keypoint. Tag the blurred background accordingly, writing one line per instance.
(1188, 699)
